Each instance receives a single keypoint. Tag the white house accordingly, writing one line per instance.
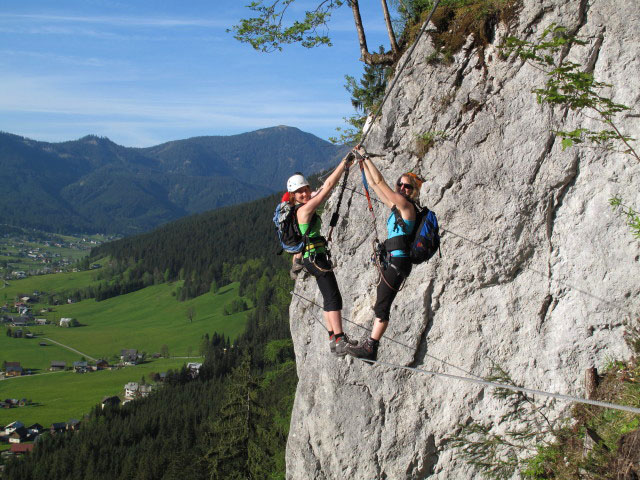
(194, 368)
(131, 389)
(12, 427)
(65, 322)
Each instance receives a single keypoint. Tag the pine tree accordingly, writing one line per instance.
(238, 434)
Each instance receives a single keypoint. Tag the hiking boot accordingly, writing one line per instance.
(339, 347)
(365, 349)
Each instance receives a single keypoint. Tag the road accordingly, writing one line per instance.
(72, 349)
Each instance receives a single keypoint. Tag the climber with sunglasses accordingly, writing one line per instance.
(400, 225)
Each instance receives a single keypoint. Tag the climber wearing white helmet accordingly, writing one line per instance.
(315, 259)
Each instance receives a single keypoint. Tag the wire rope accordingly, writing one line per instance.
(479, 380)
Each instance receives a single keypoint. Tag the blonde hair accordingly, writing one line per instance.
(414, 181)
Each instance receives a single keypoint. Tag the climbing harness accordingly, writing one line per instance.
(379, 255)
(480, 381)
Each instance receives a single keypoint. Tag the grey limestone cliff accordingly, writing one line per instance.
(538, 274)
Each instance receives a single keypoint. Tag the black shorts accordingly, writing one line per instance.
(327, 282)
(398, 269)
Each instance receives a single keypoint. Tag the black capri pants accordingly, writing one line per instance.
(399, 268)
(327, 282)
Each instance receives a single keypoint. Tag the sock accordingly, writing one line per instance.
(330, 335)
(373, 342)
(338, 335)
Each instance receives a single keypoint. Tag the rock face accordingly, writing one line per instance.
(538, 273)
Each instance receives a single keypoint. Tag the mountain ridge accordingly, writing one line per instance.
(95, 185)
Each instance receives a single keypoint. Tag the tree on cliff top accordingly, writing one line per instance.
(267, 30)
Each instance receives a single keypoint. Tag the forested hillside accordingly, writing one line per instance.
(202, 249)
(93, 185)
(235, 415)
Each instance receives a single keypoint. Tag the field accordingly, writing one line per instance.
(144, 320)
(51, 283)
(150, 320)
(61, 396)
(47, 250)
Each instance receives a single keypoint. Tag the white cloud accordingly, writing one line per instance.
(65, 59)
(134, 118)
(122, 21)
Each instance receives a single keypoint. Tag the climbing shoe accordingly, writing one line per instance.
(339, 346)
(296, 268)
(366, 349)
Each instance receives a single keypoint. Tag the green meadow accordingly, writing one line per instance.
(55, 282)
(61, 396)
(144, 320)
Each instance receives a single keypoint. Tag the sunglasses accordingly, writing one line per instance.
(408, 186)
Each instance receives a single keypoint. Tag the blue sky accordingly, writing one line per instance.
(145, 72)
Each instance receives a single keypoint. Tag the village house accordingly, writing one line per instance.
(73, 425)
(56, 365)
(102, 364)
(41, 321)
(57, 427)
(19, 322)
(130, 356)
(65, 322)
(145, 390)
(13, 369)
(80, 367)
(21, 448)
(9, 429)
(130, 390)
(194, 369)
(19, 435)
(35, 429)
(113, 401)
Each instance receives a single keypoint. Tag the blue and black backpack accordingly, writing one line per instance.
(426, 241)
(287, 229)
(423, 242)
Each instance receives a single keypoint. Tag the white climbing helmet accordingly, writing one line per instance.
(295, 182)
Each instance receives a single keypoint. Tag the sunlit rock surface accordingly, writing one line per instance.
(538, 272)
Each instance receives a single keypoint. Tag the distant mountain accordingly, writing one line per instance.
(95, 185)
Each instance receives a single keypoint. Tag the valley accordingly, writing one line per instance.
(151, 321)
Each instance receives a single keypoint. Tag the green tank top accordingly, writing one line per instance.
(316, 241)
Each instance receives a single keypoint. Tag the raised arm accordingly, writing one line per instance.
(306, 211)
(386, 194)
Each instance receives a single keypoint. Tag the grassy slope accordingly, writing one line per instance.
(61, 396)
(55, 282)
(144, 320)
